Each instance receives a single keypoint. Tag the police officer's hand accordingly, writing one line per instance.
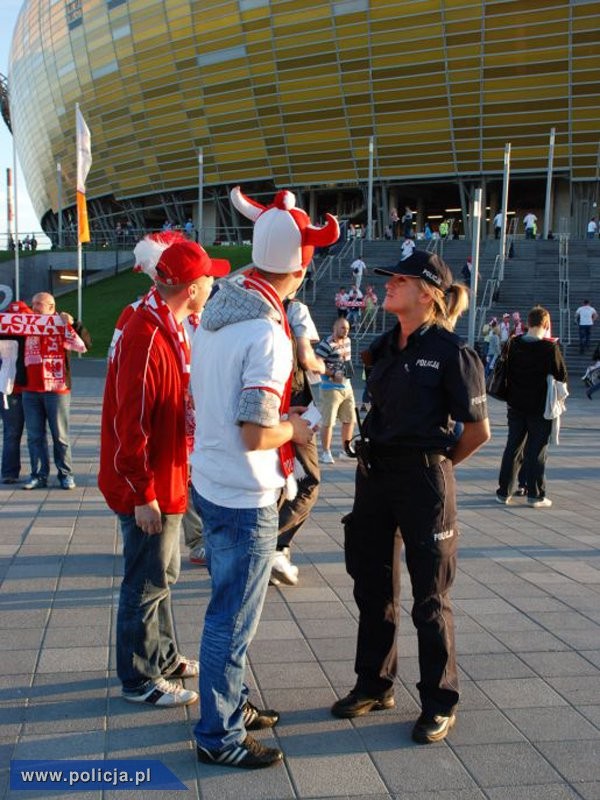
(302, 431)
(148, 518)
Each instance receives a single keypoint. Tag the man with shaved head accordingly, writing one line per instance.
(47, 395)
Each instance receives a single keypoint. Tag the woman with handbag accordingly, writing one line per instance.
(529, 360)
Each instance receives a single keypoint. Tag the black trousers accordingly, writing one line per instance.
(294, 513)
(415, 506)
(528, 437)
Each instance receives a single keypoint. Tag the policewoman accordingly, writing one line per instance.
(423, 381)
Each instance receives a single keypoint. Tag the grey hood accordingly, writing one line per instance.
(232, 303)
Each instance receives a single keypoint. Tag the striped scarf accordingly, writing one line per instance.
(154, 303)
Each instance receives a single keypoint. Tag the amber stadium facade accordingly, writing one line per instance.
(288, 93)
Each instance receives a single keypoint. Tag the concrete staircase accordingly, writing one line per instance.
(531, 277)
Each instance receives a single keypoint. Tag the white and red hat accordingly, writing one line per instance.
(284, 238)
(172, 259)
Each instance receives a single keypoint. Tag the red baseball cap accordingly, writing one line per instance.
(171, 259)
(184, 261)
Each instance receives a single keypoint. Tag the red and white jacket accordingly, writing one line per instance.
(143, 454)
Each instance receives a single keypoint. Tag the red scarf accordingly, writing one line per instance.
(158, 308)
(47, 338)
(254, 282)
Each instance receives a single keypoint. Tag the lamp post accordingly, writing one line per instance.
(475, 264)
(504, 232)
(370, 193)
(547, 211)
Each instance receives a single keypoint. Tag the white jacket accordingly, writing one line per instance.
(556, 396)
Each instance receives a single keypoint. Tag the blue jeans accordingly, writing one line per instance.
(146, 646)
(240, 543)
(53, 408)
(13, 422)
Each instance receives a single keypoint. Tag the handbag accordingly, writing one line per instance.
(496, 385)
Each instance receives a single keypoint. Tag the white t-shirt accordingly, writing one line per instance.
(407, 248)
(301, 322)
(592, 226)
(585, 315)
(249, 354)
(498, 220)
(357, 267)
(530, 220)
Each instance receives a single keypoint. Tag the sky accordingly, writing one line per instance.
(28, 222)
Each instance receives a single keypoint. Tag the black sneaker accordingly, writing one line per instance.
(355, 704)
(250, 754)
(431, 728)
(255, 719)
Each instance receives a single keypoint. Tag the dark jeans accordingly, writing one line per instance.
(13, 422)
(528, 437)
(294, 513)
(585, 332)
(146, 645)
(415, 506)
(53, 408)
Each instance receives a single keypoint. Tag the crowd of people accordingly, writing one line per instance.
(209, 420)
(246, 425)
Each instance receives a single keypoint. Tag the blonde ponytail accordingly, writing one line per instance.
(447, 306)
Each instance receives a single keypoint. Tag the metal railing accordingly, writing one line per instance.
(491, 290)
(370, 324)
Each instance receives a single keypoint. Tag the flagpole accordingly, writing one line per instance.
(84, 162)
(16, 218)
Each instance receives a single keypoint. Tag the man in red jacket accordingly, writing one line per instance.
(147, 426)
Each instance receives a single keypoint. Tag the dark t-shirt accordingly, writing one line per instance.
(418, 392)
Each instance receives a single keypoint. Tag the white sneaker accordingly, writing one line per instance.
(539, 502)
(283, 571)
(326, 457)
(163, 693)
(186, 668)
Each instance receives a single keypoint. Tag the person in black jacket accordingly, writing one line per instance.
(423, 381)
(531, 358)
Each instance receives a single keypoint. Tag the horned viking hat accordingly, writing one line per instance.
(284, 238)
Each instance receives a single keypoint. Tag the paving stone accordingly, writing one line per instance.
(576, 760)
(528, 634)
(290, 676)
(501, 665)
(552, 724)
(549, 791)
(506, 765)
(320, 776)
(557, 665)
(407, 768)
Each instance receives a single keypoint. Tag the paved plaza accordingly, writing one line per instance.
(527, 604)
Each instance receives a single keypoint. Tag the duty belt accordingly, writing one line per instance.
(392, 455)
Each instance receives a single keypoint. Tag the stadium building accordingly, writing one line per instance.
(287, 93)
